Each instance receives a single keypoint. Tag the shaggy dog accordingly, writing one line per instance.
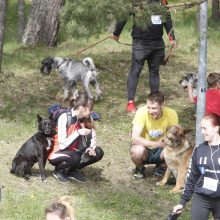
(189, 78)
(72, 71)
(34, 150)
(177, 154)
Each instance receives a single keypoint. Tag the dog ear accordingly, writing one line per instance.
(187, 130)
(39, 118)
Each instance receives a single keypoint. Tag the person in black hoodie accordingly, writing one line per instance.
(203, 177)
(147, 44)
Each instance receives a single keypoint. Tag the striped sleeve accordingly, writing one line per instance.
(191, 179)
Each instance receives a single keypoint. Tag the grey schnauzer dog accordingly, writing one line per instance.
(72, 71)
(191, 78)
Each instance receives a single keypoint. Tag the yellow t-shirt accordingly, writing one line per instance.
(154, 129)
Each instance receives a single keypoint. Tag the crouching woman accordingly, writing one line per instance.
(72, 142)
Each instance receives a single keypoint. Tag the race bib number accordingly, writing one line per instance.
(210, 184)
(156, 19)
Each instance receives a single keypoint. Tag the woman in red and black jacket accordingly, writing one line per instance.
(71, 142)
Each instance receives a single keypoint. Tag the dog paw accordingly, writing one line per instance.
(44, 179)
(175, 190)
(160, 183)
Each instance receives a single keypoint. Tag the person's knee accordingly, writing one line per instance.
(162, 156)
(99, 154)
(138, 152)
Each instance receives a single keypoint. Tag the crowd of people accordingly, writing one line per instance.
(74, 145)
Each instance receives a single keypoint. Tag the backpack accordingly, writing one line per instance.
(55, 110)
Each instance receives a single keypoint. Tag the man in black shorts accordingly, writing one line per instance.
(149, 126)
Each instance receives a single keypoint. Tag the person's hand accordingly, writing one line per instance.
(91, 151)
(160, 144)
(114, 37)
(84, 131)
(178, 209)
(174, 43)
(189, 85)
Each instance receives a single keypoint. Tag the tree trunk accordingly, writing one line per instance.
(43, 23)
(3, 12)
(21, 19)
(215, 10)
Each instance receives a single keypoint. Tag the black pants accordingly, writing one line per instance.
(153, 52)
(72, 160)
(202, 206)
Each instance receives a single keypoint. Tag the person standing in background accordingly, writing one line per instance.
(147, 44)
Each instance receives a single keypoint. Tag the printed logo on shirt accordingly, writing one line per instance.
(202, 170)
(155, 133)
(156, 19)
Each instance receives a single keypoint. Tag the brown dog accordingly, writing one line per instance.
(177, 154)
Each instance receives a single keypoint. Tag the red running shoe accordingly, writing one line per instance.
(131, 106)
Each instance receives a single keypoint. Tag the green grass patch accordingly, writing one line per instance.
(111, 193)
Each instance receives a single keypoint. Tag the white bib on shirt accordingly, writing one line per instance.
(210, 184)
(156, 19)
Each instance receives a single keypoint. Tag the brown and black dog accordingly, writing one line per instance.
(177, 154)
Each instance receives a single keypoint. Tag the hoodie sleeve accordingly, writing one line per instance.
(119, 27)
(168, 25)
(192, 177)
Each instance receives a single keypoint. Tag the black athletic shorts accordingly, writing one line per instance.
(154, 156)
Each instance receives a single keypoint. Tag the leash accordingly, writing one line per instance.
(79, 52)
(127, 44)
(168, 56)
(124, 43)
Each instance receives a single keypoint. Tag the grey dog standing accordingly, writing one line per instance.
(72, 71)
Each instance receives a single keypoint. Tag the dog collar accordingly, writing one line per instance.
(61, 64)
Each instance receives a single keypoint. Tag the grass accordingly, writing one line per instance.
(111, 193)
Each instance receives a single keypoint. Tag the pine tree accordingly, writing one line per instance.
(83, 18)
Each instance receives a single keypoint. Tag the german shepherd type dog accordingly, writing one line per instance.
(72, 71)
(34, 150)
(177, 154)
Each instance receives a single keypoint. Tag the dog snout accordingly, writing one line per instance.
(45, 69)
(178, 142)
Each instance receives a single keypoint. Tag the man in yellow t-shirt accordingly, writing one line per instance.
(149, 126)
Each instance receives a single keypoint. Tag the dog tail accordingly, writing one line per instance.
(88, 61)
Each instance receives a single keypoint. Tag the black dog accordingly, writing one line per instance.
(34, 150)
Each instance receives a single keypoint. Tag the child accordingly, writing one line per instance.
(60, 210)
(212, 94)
